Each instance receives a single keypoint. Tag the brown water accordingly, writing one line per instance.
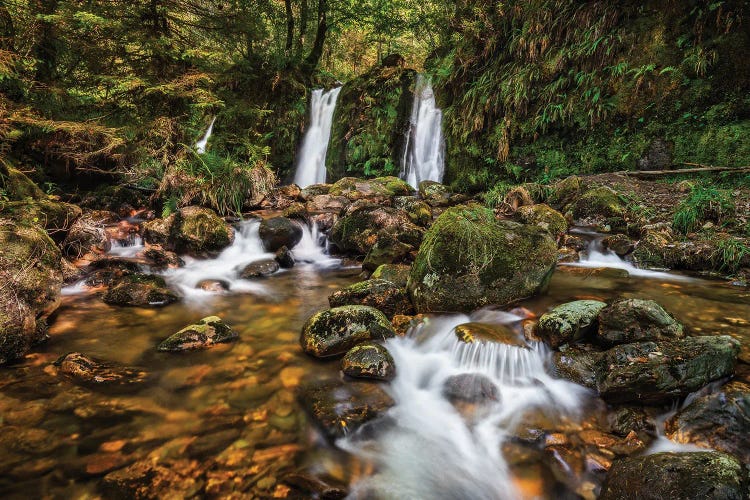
(226, 419)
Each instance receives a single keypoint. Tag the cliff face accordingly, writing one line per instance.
(542, 88)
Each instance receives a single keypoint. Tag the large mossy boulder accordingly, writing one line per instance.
(676, 476)
(543, 216)
(720, 420)
(598, 203)
(380, 188)
(194, 230)
(650, 372)
(435, 194)
(32, 277)
(361, 229)
(16, 186)
(634, 320)
(469, 259)
(370, 122)
(205, 333)
(383, 295)
(418, 211)
(278, 232)
(333, 332)
(569, 322)
(55, 217)
(398, 274)
(140, 290)
(371, 361)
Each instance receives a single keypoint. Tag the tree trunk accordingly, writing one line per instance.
(45, 50)
(302, 29)
(7, 30)
(313, 58)
(289, 27)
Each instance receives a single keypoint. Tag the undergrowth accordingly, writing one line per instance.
(703, 204)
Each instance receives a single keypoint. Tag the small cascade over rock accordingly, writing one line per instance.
(311, 163)
(200, 146)
(425, 150)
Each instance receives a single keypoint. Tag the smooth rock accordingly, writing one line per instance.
(205, 333)
(470, 333)
(372, 361)
(140, 290)
(334, 331)
(380, 294)
(633, 320)
(569, 322)
(278, 232)
(260, 269)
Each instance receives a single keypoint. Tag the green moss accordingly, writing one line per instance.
(16, 186)
(600, 202)
(543, 216)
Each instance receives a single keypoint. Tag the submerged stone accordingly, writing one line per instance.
(278, 232)
(260, 269)
(633, 320)
(569, 322)
(88, 371)
(205, 333)
(487, 332)
(471, 388)
(380, 294)
(469, 259)
(371, 361)
(332, 332)
(140, 290)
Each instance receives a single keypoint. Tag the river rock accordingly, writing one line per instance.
(470, 388)
(161, 259)
(260, 269)
(677, 476)
(314, 190)
(578, 364)
(334, 331)
(380, 294)
(470, 333)
(543, 216)
(619, 244)
(633, 320)
(598, 203)
(88, 233)
(386, 250)
(340, 408)
(434, 193)
(569, 322)
(215, 286)
(327, 203)
(359, 231)
(90, 372)
(418, 211)
(285, 257)
(376, 189)
(194, 230)
(398, 274)
(205, 333)
(278, 232)
(32, 277)
(623, 420)
(720, 420)
(140, 290)
(371, 361)
(469, 259)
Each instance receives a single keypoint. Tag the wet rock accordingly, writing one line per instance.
(626, 419)
(314, 190)
(194, 230)
(140, 290)
(284, 257)
(296, 211)
(398, 274)
(619, 244)
(470, 333)
(720, 420)
(374, 189)
(159, 258)
(90, 372)
(359, 231)
(469, 260)
(316, 487)
(149, 479)
(278, 232)
(569, 322)
(471, 388)
(325, 221)
(683, 476)
(402, 323)
(386, 250)
(334, 331)
(434, 193)
(418, 211)
(216, 286)
(340, 408)
(598, 203)
(260, 269)
(543, 216)
(380, 294)
(88, 234)
(327, 203)
(578, 364)
(371, 361)
(565, 191)
(109, 271)
(651, 249)
(205, 333)
(31, 275)
(633, 320)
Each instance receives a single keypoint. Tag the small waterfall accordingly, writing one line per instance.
(127, 248)
(432, 449)
(311, 164)
(424, 150)
(200, 146)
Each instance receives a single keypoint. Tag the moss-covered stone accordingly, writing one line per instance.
(260, 269)
(380, 294)
(87, 371)
(17, 186)
(678, 476)
(398, 274)
(598, 203)
(386, 250)
(633, 320)
(314, 190)
(418, 211)
(379, 188)
(326, 203)
(469, 259)
(619, 244)
(470, 333)
(205, 333)
(278, 232)
(434, 193)
(55, 217)
(565, 191)
(332, 332)
(543, 216)
(569, 322)
(194, 230)
(372, 361)
(359, 231)
(140, 290)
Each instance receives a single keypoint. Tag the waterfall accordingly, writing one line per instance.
(311, 164)
(200, 146)
(424, 150)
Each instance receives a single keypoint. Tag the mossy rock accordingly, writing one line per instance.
(194, 230)
(140, 290)
(435, 194)
(360, 230)
(619, 244)
(371, 361)
(543, 216)
(473, 332)
(678, 476)
(314, 190)
(55, 217)
(418, 211)
(201, 335)
(398, 274)
(634, 320)
(383, 295)
(278, 232)
(260, 268)
(598, 203)
(17, 186)
(651, 249)
(565, 191)
(355, 189)
(87, 371)
(469, 259)
(569, 322)
(386, 250)
(332, 332)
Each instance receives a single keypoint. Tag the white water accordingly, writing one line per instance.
(311, 163)
(127, 248)
(432, 450)
(200, 146)
(424, 151)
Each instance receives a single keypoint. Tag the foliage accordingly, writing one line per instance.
(703, 204)
(730, 254)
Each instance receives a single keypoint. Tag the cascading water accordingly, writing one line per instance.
(127, 248)
(425, 150)
(200, 146)
(431, 449)
(311, 164)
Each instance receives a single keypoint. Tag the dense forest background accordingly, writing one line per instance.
(113, 93)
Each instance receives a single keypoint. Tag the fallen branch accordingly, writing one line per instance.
(700, 168)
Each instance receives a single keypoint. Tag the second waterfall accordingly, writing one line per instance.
(311, 164)
(425, 150)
